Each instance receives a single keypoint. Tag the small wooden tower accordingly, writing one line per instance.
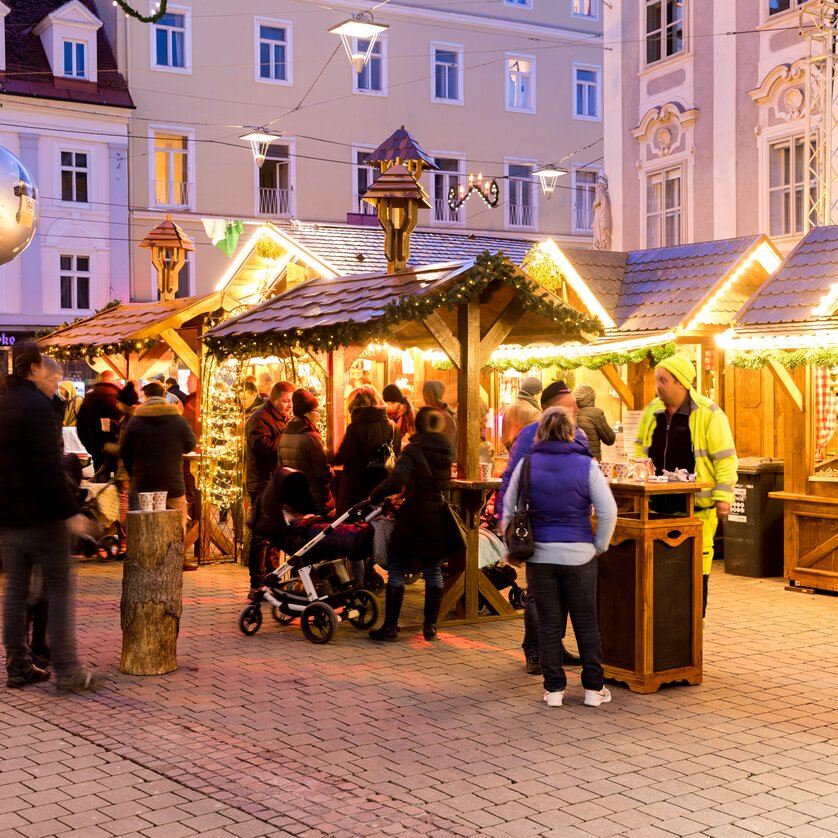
(169, 245)
(400, 148)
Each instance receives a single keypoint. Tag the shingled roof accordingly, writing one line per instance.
(807, 276)
(602, 271)
(402, 145)
(28, 71)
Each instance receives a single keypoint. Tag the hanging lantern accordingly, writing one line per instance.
(360, 27)
(259, 143)
(548, 175)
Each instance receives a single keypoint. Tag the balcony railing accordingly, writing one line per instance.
(583, 219)
(364, 208)
(444, 214)
(172, 193)
(520, 215)
(273, 201)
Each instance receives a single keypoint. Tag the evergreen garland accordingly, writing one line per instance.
(489, 269)
(89, 351)
(790, 359)
(152, 18)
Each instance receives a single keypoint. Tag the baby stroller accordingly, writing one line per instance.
(100, 502)
(315, 583)
(502, 576)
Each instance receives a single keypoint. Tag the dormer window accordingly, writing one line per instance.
(75, 53)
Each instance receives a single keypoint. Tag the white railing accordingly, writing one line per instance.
(520, 215)
(274, 201)
(172, 193)
(364, 208)
(583, 218)
(443, 213)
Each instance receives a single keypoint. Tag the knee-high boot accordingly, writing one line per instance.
(394, 596)
(433, 601)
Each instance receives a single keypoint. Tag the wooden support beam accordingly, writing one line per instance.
(141, 363)
(499, 330)
(182, 350)
(335, 403)
(468, 389)
(440, 332)
(118, 363)
(623, 390)
(786, 382)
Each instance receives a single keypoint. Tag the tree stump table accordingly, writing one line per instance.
(152, 592)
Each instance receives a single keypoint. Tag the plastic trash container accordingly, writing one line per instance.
(753, 534)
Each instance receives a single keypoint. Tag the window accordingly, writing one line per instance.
(171, 170)
(520, 83)
(274, 51)
(523, 4)
(786, 184)
(584, 189)
(663, 208)
(520, 207)
(664, 29)
(170, 41)
(74, 174)
(275, 181)
(363, 177)
(585, 8)
(373, 78)
(448, 177)
(74, 278)
(75, 53)
(586, 98)
(777, 6)
(447, 77)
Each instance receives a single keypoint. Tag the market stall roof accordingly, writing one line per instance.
(803, 289)
(130, 321)
(364, 303)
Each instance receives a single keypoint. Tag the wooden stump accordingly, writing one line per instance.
(152, 589)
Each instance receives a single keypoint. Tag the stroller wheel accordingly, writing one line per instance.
(516, 597)
(367, 606)
(280, 616)
(108, 547)
(374, 583)
(319, 622)
(250, 620)
(410, 578)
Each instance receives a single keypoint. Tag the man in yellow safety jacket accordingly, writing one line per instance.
(683, 429)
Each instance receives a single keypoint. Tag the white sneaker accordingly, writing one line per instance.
(554, 699)
(594, 698)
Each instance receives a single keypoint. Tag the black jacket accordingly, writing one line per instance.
(152, 448)
(99, 403)
(301, 447)
(33, 481)
(368, 429)
(263, 431)
(176, 391)
(419, 532)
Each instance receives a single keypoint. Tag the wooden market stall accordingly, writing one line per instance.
(783, 350)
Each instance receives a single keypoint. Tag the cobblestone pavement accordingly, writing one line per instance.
(271, 735)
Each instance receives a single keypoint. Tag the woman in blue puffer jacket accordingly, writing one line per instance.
(562, 573)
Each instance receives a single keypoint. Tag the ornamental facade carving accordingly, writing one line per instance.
(665, 131)
(781, 95)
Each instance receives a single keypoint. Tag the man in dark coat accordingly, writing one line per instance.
(38, 515)
(99, 416)
(263, 432)
(173, 389)
(152, 448)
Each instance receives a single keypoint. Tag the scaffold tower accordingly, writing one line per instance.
(818, 24)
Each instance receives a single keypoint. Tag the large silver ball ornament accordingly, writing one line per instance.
(19, 207)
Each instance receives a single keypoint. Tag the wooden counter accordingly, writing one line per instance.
(650, 590)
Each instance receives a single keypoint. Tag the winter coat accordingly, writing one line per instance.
(34, 488)
(418, 535)
(99, 403)
(368, 429)
(592, 421)
(301, 447)
(403, 418)
(522, 412)
(263, 431)
(152, 448)
(174, 390)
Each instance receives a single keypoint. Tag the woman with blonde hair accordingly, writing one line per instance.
(72, 403)
(563, 483)
(368, 439)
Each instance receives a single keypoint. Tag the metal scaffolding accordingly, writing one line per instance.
(818, 24)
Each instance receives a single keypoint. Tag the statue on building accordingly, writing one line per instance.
(602, 215)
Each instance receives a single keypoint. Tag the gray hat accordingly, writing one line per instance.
(531, 385)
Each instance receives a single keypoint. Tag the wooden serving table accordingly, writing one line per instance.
(650, 590)
(466, 580)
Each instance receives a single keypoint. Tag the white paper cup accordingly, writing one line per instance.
(621, 471)
(106, 425)
(159, 501)
(146, 501)
(485, 471)
(607, 468)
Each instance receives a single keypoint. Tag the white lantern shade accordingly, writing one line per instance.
(548, 176)
(259, 142)
(361, 27)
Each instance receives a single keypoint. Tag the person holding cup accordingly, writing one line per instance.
(98, 420)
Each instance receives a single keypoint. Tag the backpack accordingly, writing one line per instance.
(384, 457)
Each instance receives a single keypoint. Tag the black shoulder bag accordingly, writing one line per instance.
(518, 537)
(454, 528)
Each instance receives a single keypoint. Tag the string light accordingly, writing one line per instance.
(487, 189)
(158, 11)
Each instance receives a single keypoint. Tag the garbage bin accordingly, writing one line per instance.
(753, 534)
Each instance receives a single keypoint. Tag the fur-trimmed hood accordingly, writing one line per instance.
(156, 406)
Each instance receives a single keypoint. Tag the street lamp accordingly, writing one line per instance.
(548, 175)
(259, 142)
(361, 27)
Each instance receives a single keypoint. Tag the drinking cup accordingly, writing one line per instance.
(607, 468)
(622, 471)
(147, 501)
(159, 501)
(485, 471)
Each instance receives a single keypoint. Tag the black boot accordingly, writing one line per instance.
(433, 600)
(394, 596)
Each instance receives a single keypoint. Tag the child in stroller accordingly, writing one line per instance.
(321, 592)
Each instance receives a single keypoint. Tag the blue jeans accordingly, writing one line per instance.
(47, 545)
(560, 590)
(397, 567)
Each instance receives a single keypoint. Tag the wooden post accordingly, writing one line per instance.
(468, 389)
(152, 588)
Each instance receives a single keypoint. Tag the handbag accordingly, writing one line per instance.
(453, 527)
(518, 537)
(384, 457)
